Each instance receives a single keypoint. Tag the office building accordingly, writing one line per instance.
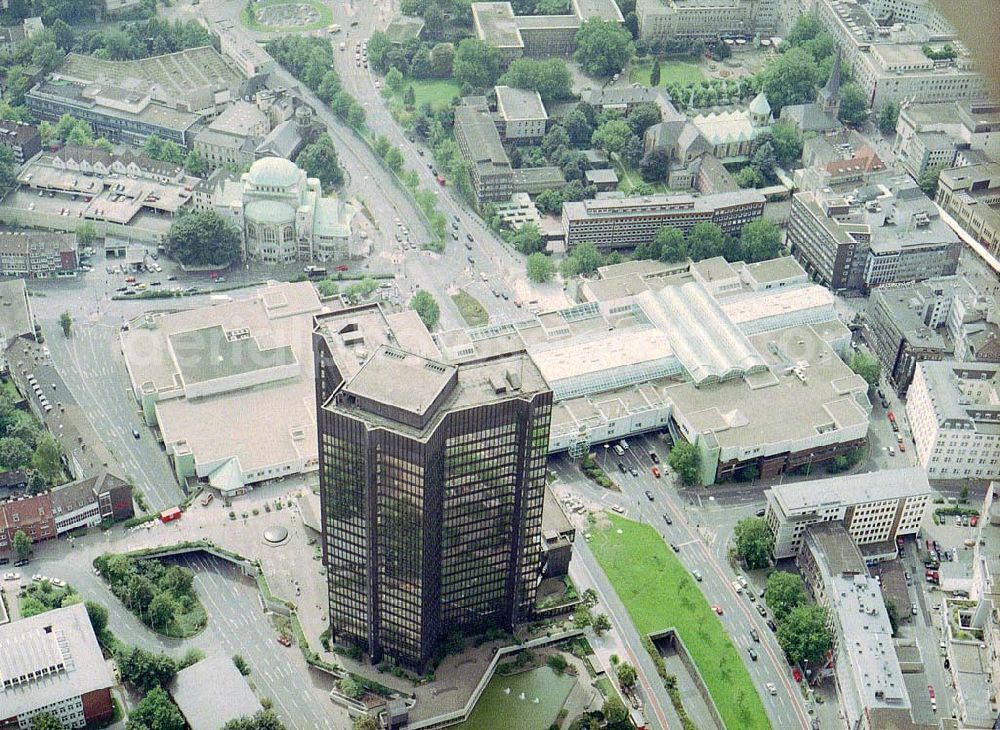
(936, 319)
(52, 663)
(756, 385)
(667, 20)
(615, 222)
(231, 138)
(191, 371)
(283, 215)
(536, 36)
(432, 494)
(879, 234)
(971, 196)
(521, 115)
(934, 134)
(875, 507)
(868, 676)
(479, 142)
(954, 414)
(888, 60)
(37, 254)
(241, 50)
(22, 139)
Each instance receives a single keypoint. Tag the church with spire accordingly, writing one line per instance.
(821, 115)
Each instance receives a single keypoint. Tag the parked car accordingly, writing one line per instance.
(654, 457)
(718, 609)
(284, 640)
(621, 468)
(796, 674)
(135, 433)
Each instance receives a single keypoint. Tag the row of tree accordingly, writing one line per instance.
(157, 594)
(23, 443)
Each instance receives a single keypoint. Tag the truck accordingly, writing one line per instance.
(169, 515)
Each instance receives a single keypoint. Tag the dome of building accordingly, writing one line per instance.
(276, 534)
(759, 106)
(273, 172)
(269, 212)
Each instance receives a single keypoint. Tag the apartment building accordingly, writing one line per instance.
(665, 20)
(52, 663)
(619, 222)
(888, 59)
(450, 472)
(873, 508)
(937, 319)
(954, 414)
(521, 115)
(935, 134)
(489, 167)
(971, 195)
(22, 139)
(37, 254)
(876, 235)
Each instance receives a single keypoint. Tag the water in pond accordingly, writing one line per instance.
(527, 701)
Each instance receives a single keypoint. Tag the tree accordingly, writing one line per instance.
(589, 597)
(753, 542)
(893, 614)
(550, 77)
(761, 240)
(747, 177)
(601, 624)
(264, 720)
(394, 159)
(540, 267)
(378, 46)
(790, 79)
(442, 57)
(578, 127)
(614, 711)
(644, 116)
(161, 610)
(98, 617)
(394, 80)
(350, 688)
(22, 545)
(36, 483)
(613, 136)
(888, 117)
(582, 617)
(786, 143)
(45, 721)
(47, 458)
(673, 247)
(144, 670)
(705, 240)
(654, 74)
(66, 323)
(587, 258)
(655, 165)
(409, 97)
(764, 161)
(686, 461)
(928, 181)
(194, 164)
(806, 28)
(203, 239)
(721, 51)
(603, 47)
(528, 239)
(803, 634)
(784, 592)
(86, 234)
(867, 367)
(365, 722)
(155, 712)
(626, 675)
(853, 104)
(426, 308)
(356, 115)
(320, 160)
(241, 664)
(14, 453)
(476, 63)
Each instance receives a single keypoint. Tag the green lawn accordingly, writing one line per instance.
(658, 593)
(474, 314)
(629, 178)
(250, 20)
(681, 71)
(439, 92)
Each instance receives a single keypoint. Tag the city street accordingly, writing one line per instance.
(703, 547)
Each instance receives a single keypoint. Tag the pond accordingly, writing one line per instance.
(527, 701)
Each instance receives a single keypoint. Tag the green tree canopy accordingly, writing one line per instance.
(786, 143)
(888, 117)
(928, 180)
(155, 711)
(790, 79)
(203, 239)
(866, 366)
(686, 461)
(528, 239)
(614, 711)
(476, 63)
(540, 267)
(47, 458)
(426, 308)
(45, 721)
(603, 47)
(98, 617)
(753, 542)
(784, 592)
(22, 545)
(549, 77)
(673, 245)
(761, 240)
(263, 720)
(320, 160)
(655, 165)
(803, 635)
(705, 240)
(853, 104)
(613, 136)
(626, 675)
(144, 670)
(14, 453)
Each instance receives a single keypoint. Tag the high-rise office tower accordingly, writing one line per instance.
(432, 478)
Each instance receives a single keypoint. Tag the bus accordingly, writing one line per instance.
(315, 272)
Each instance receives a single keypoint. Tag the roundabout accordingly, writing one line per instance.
(277, 16)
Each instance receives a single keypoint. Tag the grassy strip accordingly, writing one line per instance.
(658, 593)
(474, 313)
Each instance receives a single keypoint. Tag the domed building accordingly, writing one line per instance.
(284, 217)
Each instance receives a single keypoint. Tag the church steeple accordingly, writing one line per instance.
(829, 95)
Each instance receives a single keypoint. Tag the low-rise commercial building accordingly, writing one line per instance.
(521, 115)
(937, 319)
(971, 195)
(616, 222)
(877, 235)
(37, 254)
(875, 507)
(954, 414)
(52, 663)
(21, 138)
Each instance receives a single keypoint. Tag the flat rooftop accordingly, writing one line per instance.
(211, 692)
(212, 353)
(835, 549)
(495, 23)
(519, 104)
(380, 377)
(852, 489)
(15, 312)
(604, 9)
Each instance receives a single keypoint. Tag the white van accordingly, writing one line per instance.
(624, 444)
(619, 450)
